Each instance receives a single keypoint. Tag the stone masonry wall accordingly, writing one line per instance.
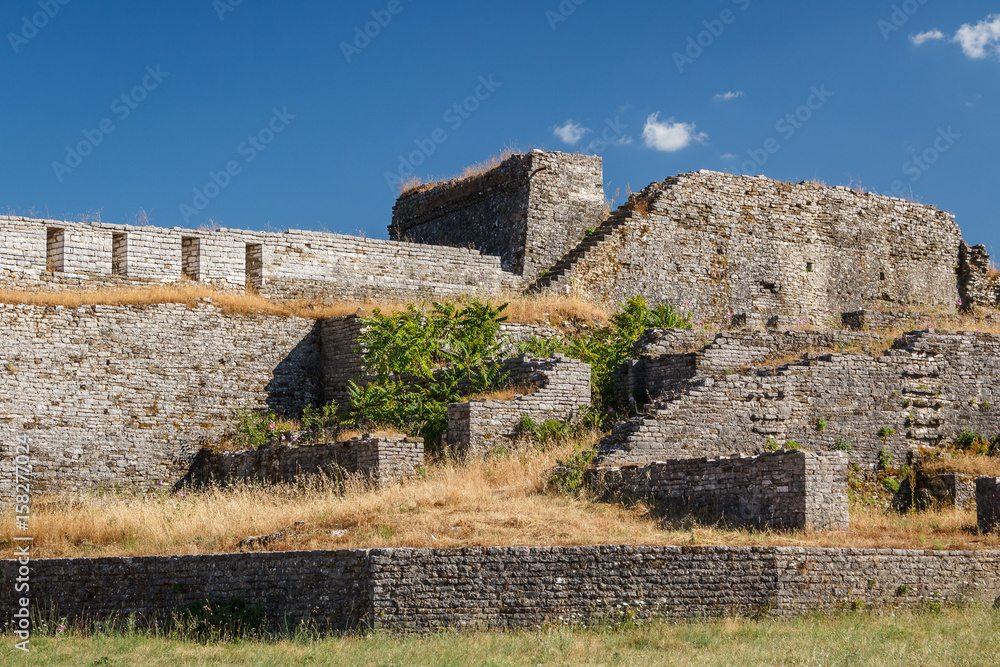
(530, 210)
(127, 394)
(516, 587)
(294, 264)
(927, 389)
(988, 503)
(789, 490)
(379, 458)
(731, 245)
(665, 356)
(476, 427)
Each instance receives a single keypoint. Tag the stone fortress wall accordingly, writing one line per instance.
(739, 245)
(419, 590)
(529, 211)
(294, 264)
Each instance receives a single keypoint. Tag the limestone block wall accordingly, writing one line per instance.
(665, 356)
(927, 389)
(988, 503)
(294, 264)
(530, 210)
(476, 427)
(377, 457)
(126, 394)
(789, 490)
(731, 245)
(512, 587)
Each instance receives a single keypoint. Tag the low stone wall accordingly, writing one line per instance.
(924, 391)
(988, 503)
(379, 458)
(522, 587)
(476, 427)
(789, 490)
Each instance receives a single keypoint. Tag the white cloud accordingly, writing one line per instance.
(729, 97)
(981, 39)
(977, 41)
(670, 136)
(571, 132)
(928, 36)
(728, 156)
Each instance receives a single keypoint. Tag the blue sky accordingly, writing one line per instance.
(266, 115)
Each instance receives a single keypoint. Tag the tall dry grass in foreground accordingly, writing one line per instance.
(522, 309)
(500, 502)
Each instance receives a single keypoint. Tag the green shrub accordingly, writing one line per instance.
(842, 445)
(891, 485)
(771, 445)
(886, 432)
(792, 445)
(571, 479)
(821, 424)
(972, 443)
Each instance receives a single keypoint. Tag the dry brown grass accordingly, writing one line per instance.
(417, 184)
(500, 502)
(508, 394)
(974, 465)
(522, 309)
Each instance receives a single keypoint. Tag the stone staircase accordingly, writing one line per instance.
(558, 277)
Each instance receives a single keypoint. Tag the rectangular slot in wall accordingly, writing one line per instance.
(254, 266)
(190, 258)
(55, 249)
(119, 254)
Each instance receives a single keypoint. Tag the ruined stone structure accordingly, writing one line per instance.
(739, 245)
(529, 211)
(477, 427)
(926, 389)
(789, 490)
(378, 458)
(414, 590)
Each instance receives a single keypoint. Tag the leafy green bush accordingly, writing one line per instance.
(771, 445)
(821, 424)
(886, 432)
(423, 360)
(574, 473)
(972, 443)
(259, 428)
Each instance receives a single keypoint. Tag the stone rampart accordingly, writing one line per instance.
(530, 210)
(378, 458)
(564, 388)
(294, 264)
(924, 391)
(518, 588)
(739, 245)
(128, 394)
(787, 490)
